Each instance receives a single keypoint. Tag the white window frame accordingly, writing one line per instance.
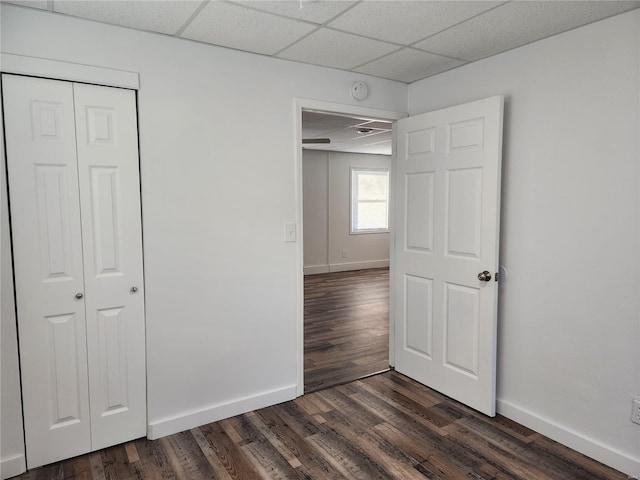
(353, 201)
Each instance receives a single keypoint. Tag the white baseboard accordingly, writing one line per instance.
(577, 441)
(344, 267)
(314, 269)
(12, 466)
(213, 413)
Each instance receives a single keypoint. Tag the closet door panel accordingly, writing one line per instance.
(111, 226)
(46, 229)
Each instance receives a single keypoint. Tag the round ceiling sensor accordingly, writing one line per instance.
(359, 90)
(365, 130)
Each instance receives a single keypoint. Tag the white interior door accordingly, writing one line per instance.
(107, 142)
(75, 212)
(448, 166)
(43, 187)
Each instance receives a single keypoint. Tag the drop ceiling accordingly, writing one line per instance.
(394, 39)
(347, 134)
(398, 40)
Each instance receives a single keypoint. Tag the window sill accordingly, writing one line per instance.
(368, 232)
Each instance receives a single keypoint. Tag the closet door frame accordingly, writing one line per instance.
(72, 72)
(59, 70)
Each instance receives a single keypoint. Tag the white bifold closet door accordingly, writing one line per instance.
(74, 189)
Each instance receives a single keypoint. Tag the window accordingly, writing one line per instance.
(369, 200)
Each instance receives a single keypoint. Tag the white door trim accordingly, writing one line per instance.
(74, 72)
(118, 400)
(352, 110)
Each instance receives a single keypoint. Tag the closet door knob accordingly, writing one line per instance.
(134, 289)
(79, 296)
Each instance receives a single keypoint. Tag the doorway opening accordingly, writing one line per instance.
(346, 324)
(346, 230)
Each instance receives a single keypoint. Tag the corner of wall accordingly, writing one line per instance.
(213, 413)
(574, 440)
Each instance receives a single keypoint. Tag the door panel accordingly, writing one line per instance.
(104, 184)
(111, 331)
(447, 231)
(62, 331)
(419, 205)
(461, 328)
(463, 212)
(419, 298)
(111, 227)
(41, 156)
(52, 192)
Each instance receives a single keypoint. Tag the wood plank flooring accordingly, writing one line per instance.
(346, 326)
(382, 427)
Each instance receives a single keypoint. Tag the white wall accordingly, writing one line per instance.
(217, 144)
(327, 203)
(315, 201)
(12, 459)
(569, 330)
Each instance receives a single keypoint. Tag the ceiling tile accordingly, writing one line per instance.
(156, 16)
(377, 124)
(406, 22)
(336, 49)
(409, 65)
(41, 4)
(342, 130)
(333, 121)
(516, 24)
(310, 11)
(383, 148)
(234, 26)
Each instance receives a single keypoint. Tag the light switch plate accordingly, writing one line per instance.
(289, 232)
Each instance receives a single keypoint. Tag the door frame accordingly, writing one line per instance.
(72, 72)
(301, 104)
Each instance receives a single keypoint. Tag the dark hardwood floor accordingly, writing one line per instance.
(382, 427)
(346, 326)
